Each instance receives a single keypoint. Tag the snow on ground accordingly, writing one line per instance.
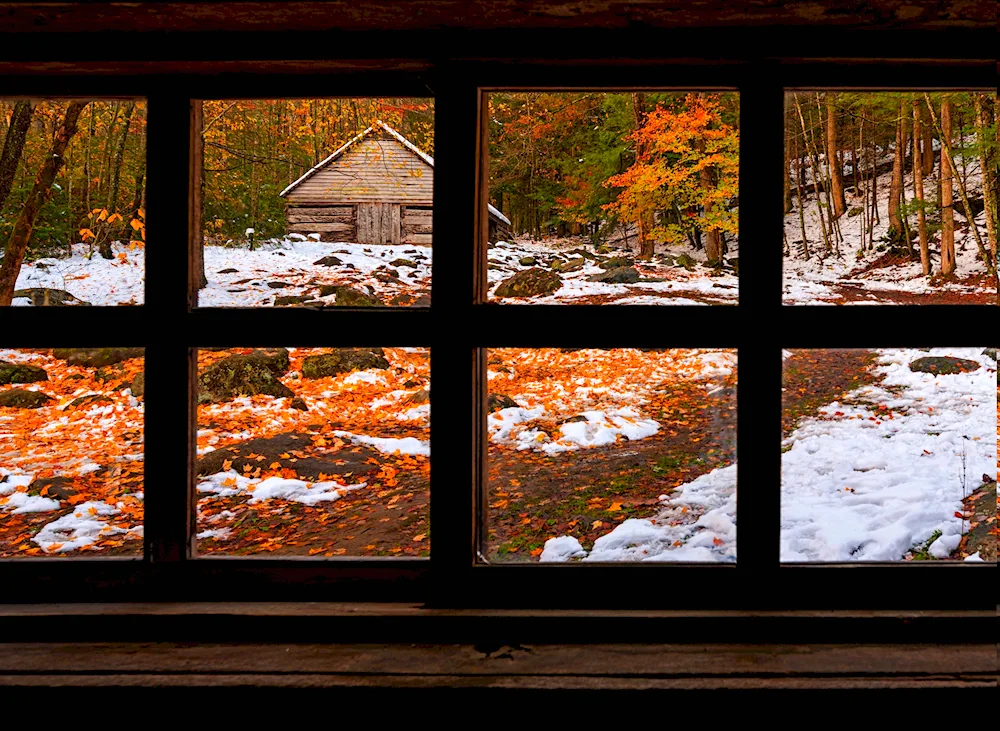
(99, 281)
(291, 261)
(301, 491)
(696, 522)
(817, 281)
(678, 286)
(879, 473)
(84, 526)
(604, 405)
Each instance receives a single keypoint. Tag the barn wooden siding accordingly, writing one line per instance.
(377, 191)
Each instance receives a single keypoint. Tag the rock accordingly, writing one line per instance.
(412, 384)
(278, 285)
(18, 398)
(734, 263)
(350, 458)
(111, 373)
(529, 283)
(19, 373)
(403, 263)
(138, 385)
(90, 400)
(419, 397)
(556, 264)
(328, 261)
(230, 270)
(619, 275)
(409, 300)
(573, 419)
(943, 365)
(343, 360)
(57, 488)
(348, 296)
(96, 357)
(990, 353)
(495, 267)
(584, 253)
(617, 262)
(45, 297)
(527, 261)
(497, 401)
(573, 265)
(856, 211)
(292, 299)
(299, 404)
(684, 260)
(248, 375)
(667, 260)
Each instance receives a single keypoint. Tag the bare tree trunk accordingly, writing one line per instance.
(947, 194)
(646, 244)
(802, 205)
(832, 162)
(988, 173)
(896, 188)
(928, 151)
(116, 171)
(13, 146)
(10, 267)
(786, 179)
(918, 190)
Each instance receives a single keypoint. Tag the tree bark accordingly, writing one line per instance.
(10, 267)
(928, 151)
(786, 181)
(988, 172)
(13, 146)
(646, 244)
(918, 190)
(116, 170)
(947, 194)
(198, 280)
(896, 188)
(832, 162)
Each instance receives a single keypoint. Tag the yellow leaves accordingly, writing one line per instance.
(275, 466)
(285, 455)
(114, 218)
(597, 524)
(86, 234)
(536, 551)
(229, 482)
(227, 464)
(615, 507)
(135, 223)
(92, 510)
(418, 538)
(75, 499)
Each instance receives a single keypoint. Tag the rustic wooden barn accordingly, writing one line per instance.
(376, 189)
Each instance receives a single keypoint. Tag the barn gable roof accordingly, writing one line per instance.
(357, 138)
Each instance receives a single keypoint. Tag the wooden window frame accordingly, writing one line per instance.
(170, 328)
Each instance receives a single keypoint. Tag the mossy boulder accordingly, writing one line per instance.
(19, 398)
(497, 401)
(138, 385)
(619, 275)
(348, 296)
(615, 262)
(403, 263)
(328, 261)
(354, 460)
(685, 260)
(292, 299)
(573, 265)
(943, 365)
(245, 375)
(990, 353)
(96, 357)
(529, 283)
(343, 360)
(527, 261)
(46, 297)
(20, 373)
(856, 211)
(94, 399)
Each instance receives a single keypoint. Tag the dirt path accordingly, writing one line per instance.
(852, 293)
(813, 378)
(584, 493)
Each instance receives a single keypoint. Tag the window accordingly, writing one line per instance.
(462, 329)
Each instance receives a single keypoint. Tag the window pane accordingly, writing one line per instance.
(317, 202)
(872, 228)
(611, 455)
(889, 455)
(314, 452)
(72, 202)
(71, 452)
(613, 198)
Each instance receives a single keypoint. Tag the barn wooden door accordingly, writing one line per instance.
(378, 223)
